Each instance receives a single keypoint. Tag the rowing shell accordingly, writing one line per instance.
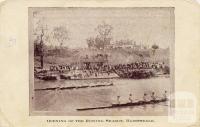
(125, 104)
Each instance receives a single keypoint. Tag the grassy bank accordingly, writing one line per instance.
(115, 56)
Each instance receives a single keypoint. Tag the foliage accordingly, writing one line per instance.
(102, 38)
(166, 70)
(60, 34)
(155, 47)
(91, 42)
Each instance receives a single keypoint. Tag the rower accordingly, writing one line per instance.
(165, 95)
(145, 97)
(57, 90)
(118, 99)
(153, 96)
(130, 98)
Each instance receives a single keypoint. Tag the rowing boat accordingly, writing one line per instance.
(138, 103)
(75, 87)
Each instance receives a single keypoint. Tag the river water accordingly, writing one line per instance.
(67, 101)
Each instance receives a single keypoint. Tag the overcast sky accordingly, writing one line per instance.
(143, 25)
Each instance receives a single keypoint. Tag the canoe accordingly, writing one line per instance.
(138, 103)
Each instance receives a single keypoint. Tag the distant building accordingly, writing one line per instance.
(124, 44)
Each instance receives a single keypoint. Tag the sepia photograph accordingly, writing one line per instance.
(101, 61)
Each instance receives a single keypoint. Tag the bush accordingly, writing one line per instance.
(166, 70)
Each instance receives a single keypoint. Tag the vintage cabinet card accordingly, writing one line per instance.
(99, 63)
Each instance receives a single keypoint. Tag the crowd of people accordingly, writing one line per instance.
(132, 70)
(108, 68)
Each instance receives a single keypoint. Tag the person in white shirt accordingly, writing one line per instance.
(130, 98)
(153, 97)
(118, 99)
(165, 95)
(145, 97)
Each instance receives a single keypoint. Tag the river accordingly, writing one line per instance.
(67, 101)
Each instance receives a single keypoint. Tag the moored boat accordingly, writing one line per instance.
(83, 75)
(64, 76)
(136, 74)
(47, 77)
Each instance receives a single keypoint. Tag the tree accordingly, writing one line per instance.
(103, 37)
(39, 31)
(60, 34)
(154, 47)
(36, 46)
(91, 42)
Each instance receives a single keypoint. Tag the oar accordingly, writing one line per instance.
(162, 104)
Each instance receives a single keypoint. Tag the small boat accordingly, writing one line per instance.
(75, 87)
(138, 103)
(63, 76)
(47, 77)
(81, 75)
(135, 73)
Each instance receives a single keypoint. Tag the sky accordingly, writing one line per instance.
(143, 25)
